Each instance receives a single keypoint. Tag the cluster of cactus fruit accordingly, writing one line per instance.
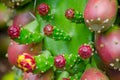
(62, 37)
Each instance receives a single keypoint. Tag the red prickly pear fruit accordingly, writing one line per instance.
(85, 51)
(99, 15)
(15, 49)
(30, 76)
(23, 18)
(43, 9)
(69, 14)
(60, 61)
(48, 29)
(14, 31)
(108, 47)
(93, 74)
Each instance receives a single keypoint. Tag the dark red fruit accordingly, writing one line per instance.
(48, 29)
(69, 14)
(108, 47)
(93, 74)
(43, 9)
(60, 61)
(14, 31)
(99, 15)
(85, 51)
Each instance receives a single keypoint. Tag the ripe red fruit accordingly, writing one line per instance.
(14, 31)
(85, 51)
(108, 47)
(93, 74)
(99, 15)
(60, 61)
(43, 9)
(69, 14)
(48, 29)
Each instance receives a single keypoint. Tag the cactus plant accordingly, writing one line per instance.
(62, 27)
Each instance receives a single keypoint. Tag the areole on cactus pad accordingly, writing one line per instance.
(67, 43)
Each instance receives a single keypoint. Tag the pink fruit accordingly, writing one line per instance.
(69, 14)
(99, 15)
(23, 18)
(93, 74)
(85, 51)
(30, 76)
(60, 61)
(14, 31)
(48, 29)
(43, 9)
(15, 49)
(49, 75)
(108, 47)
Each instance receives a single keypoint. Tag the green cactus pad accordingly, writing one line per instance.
(27, 37)
(78, 17)
(44, 62)
(70, 61)
(60, 35)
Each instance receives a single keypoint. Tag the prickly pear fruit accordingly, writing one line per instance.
(23, 18)
(99, 15)
(15, 49)
(93, 74)
(107, 45)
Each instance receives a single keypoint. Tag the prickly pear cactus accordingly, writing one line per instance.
(66, 37)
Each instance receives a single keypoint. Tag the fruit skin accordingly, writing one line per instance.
(60, 61)
(30, 76)
(14, 31)
(93, 74)
(99, 15)
(23, 18)
(43, 9)
(15, 49)
(85, 51)
(107, 46)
